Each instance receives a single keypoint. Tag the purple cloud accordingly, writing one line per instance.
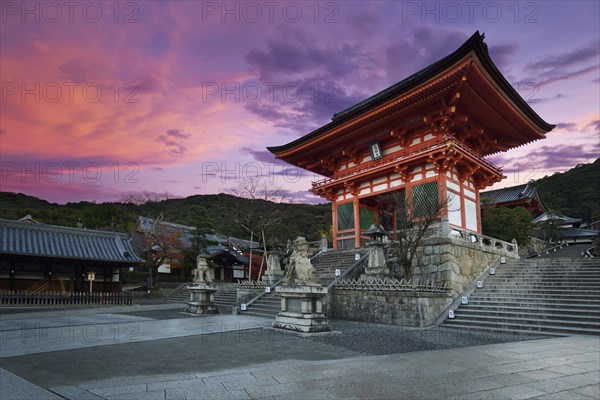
(558, 67)
(594, 124)
(568, 59)
(545, 99)
(549, 158)
(502, 54)
(178, 134)
(413, 51)
(173, 142)
(566, 126)
(262, 156)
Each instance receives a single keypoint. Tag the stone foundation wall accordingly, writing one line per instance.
(454, 261)
(414, 309)
(534, 246)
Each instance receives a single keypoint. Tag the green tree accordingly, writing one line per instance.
(507, 224)
(202, 224)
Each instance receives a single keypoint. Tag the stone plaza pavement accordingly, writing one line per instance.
(106, 354)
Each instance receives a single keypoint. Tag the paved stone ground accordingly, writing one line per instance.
(172, 356)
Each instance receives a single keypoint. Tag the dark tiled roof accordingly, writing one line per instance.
(219, 251)
(577, 233)
(187, 234)
(509, 195)
(62, 242)
(563, 219)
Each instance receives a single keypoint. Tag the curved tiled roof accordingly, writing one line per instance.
(509, 194)
(474, 44)
(55, 241)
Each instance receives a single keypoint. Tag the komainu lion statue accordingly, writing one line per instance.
(300, 270)
(201, 272)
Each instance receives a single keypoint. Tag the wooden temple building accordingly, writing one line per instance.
(426, 138)
(526, 196)
(39, 257)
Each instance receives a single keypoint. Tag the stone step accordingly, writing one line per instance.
(542, 288)
(260, 314)
(529, 325)
(579, 309)
(568, 315)
(531, 290)
(511, 297)
(495, 329)
(267, 306)
(575, 281)
(548, 275)
(532, 301)
(264, 308)
(592, 323)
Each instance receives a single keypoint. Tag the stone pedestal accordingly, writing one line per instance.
(274, 271)
(202, 299)
(301, 309)
(376, 265)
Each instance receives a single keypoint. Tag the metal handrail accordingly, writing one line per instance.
(558, 246)
(272, 286)
(467, 292)
(347, 272)
(588, 252)
(261, 294)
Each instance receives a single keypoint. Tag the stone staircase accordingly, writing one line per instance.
(551, 296)
(225, 298)
(325, 264)
(269, 305)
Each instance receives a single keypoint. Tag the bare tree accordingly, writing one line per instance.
(258, 215)
(409, 222)
(145, 196)
(161, 243)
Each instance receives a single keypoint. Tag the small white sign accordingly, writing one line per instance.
(243, 306)
(464, 300)
(356, 257)
(479, 284)
(338, 272)
(492, 271)
(267, 289)
(238, 273)
(91, 276)
(502, 260)
(451, 314)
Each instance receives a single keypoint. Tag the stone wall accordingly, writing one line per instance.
(455, 261)
(416, 309)
(534, 246)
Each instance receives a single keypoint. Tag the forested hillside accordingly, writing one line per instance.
(291, 219)
(575, 193)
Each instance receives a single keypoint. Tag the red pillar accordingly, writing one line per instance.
(478, 208)
(443, 194)
(356, 222)
(334, 224)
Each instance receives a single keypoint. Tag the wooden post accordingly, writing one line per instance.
(250, 262)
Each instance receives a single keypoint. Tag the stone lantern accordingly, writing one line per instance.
(376, 265)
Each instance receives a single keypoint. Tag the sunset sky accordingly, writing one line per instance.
(102, 98)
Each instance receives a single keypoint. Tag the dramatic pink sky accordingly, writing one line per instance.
(104, 98)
